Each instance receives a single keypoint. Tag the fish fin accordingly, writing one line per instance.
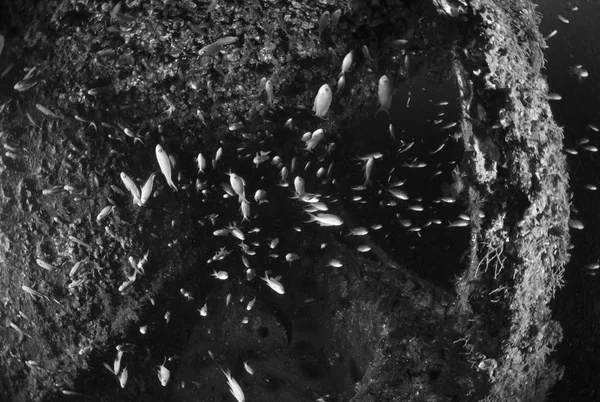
(312, 218)
(383, 109)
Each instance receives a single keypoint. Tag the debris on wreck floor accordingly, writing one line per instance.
(269, 201)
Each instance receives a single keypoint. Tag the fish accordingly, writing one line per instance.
(385, 92)
(553, 96)
(323, 22)
(34, 292)
(551, 34)
(222, 275)
(209, 50)
(165, 165)
(163, 374)
(347, 63)
(27, 83)
(369, 170)
(322, 102)
(299, 187)
(234, 387)
(367, 54)
(335, 18)
(147, 189)
(260, 196)
(291, 257)
(334, 57)
(117, 363)
(274, 284)
(44, 264)
(251, 304)
(46, 111)
(320, 206)
(262, 84)
(398, 193)
(237, 233)
(226, 40)
(575, 224)
(248, 369)
(221, 232)
(326, 219)
(245, 209)
(334, 263)
(75, 268)
(458, 224)
(237, 184)
(363, 248)
(218, 155)
(123, 378)
(399, 42)
(340, 84)
(261, 157)
(204, 310)
(374, 155)
(284, 175)
(314, 139)
(360, 231)
(201, 163)
(562, 19)
(269, 91)
(2, 41)
(104, 213)
(81, 243)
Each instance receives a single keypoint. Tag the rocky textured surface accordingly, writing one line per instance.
(120, 79)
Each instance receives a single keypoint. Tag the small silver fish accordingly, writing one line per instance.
(201, 163)
(163, 374)
(209, 50)
(347, 62)
(270, 91)
(273, 284)
(226, 40)
(322, 102)
(147, 189)
(368, 170)
(323, 22)
(326, 219)
(165, 165)
(260, 196)
(385, 92)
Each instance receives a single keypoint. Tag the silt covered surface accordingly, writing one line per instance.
(371, 330)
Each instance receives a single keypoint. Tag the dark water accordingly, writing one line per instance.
(578, 304)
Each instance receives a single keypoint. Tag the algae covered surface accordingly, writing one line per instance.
(107, 82)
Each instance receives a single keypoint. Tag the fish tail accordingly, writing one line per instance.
(312, 218)
(172, 185)
(383, 109)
